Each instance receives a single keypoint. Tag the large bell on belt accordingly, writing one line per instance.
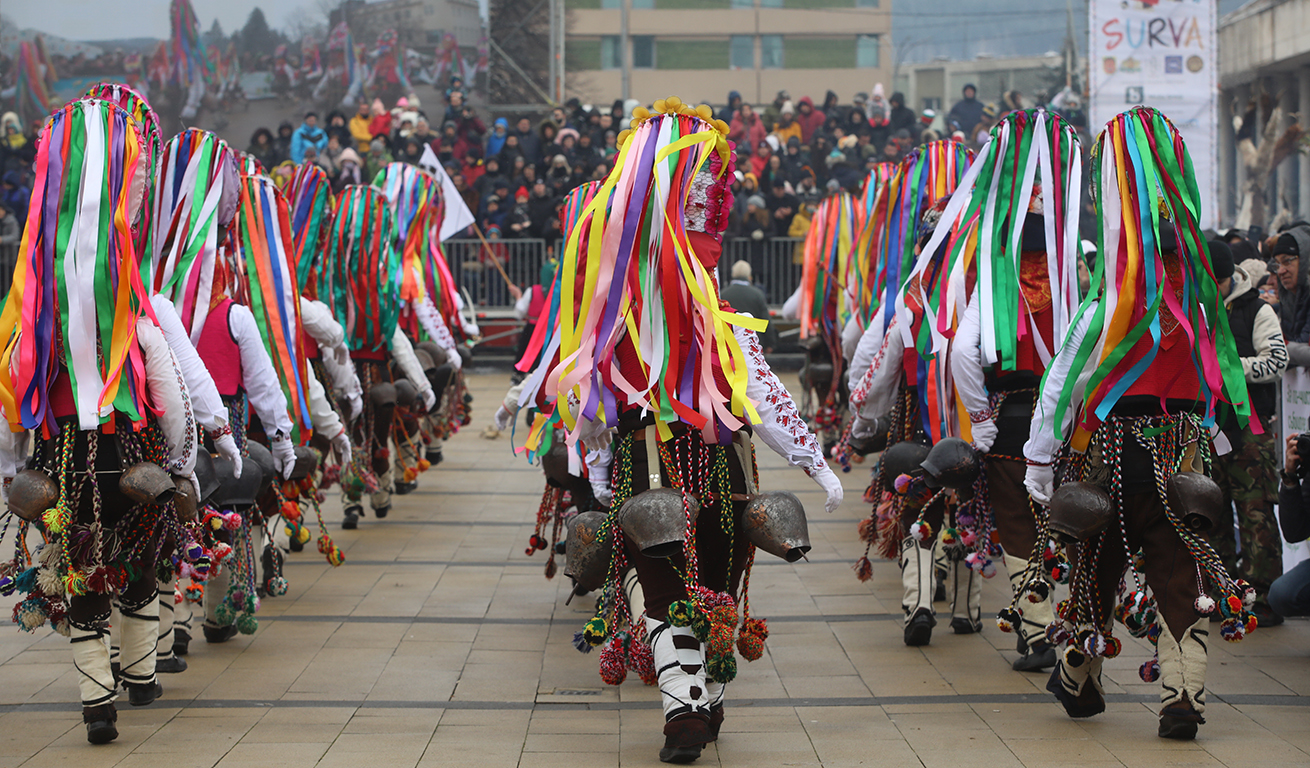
(406, 393)
(31, 493)
(236, 491)
(306, 462)
(184, 498)
(952, 463)
(555, 464)
(589, 546)
(656, 521)
(147, 483)
(205, 475)
(903, 458)
(875, 441)
(1079, 511)
(256, 453)
(775, 522)
(1197, 499)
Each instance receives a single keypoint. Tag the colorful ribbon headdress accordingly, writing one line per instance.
(262, 236)
(310, 197)
(1031, 166)
(414, 195)
(1144, 186)
(645, 280)
(196, 194)
(827, 271)
(877, 202)
(77, 291)
(361, 279)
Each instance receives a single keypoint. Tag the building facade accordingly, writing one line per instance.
(1264, 59)
(702, 49)
(939, 84)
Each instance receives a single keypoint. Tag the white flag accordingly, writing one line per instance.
(458, 215)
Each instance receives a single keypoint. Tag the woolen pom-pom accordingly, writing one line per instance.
(1149, 671)
(642, 661)
(750, 641)
(247, 624)
(863, 569)
(722, 669)
(612, 668)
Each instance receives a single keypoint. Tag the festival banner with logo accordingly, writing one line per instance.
(1160, 53)
(1295, 413)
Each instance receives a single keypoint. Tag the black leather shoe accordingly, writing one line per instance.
(181, 642)
(219, 634)
(100, 728)
(143, 694)
(919, 630)
(1179, 722)
(1041, 655)
(170, 666)
(404, 489)
(350, 521)
(381, 512)
(684, 737)
(1265, 616)
(963, 626)
(1088, 703)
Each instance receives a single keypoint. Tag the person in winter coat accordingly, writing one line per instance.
(359, 127)
(378, 157)
(1249, 474)
(746, 128)
(282, 142)
(729, 113)
(350, 170)
(1290, 252)
(786, 127)
(307, 135)
(496, 139)
(760, 160)
(379, 121)
(541, 208)
(15, 196)
(967, 112)
(901, 117)
(809, 118)
(773, 112)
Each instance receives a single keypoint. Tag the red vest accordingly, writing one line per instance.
(536, 304)
(219, 351)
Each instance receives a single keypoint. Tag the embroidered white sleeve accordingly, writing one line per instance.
(325, 420)
(403, 351)
(435, 327)
(320, 324)
(168, 393)
(966, 361)
(258, 376)
(1045, 436)
(781, 426)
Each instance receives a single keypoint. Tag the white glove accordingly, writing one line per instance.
(284, 454)
(503, 418)
(1040, 482)
(984, 434)
(429, 400)
(829, 483)
(342, 443)
(342, 353)
(227, 448)
(862, 427)
(602, 491)
(356, 403)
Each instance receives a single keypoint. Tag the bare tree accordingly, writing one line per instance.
(519, 31)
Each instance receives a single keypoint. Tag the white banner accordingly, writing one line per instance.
(1162, 55)
(1295, 409)
(458, 215)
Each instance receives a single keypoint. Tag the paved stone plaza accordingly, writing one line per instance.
(440, 643)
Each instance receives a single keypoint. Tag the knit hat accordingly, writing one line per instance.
(1221, 259)
(1286, 244)
(787, 109)
(756, 200)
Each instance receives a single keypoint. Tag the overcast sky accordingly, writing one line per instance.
(112, 19)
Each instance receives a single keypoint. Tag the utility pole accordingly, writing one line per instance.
(625, 49)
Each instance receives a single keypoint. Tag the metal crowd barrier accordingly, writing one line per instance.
(775, 266)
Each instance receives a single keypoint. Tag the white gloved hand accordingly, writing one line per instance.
(429, 400)
(602, 491)
(830, 484)
(227, 448)
(984, 434)
(356, 403)
(342, 353)
(503, 418)
(1040, 482)
(284, 454)
(862, 427)
(342, 443)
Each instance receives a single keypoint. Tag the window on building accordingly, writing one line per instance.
(639, 5)
(691, 53)
(743, 3)
(770, 3)
(770, 51)
(610, 52)
(741, 52)
(867, 52)
(819, 52)
(643, 51)
(866, 3)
